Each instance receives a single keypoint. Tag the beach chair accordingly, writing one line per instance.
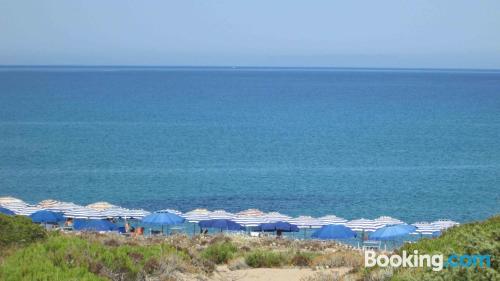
(371, 245)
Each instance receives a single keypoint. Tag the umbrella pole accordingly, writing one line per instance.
(194, 229)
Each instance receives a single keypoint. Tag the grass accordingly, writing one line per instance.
(220, 252)
(481, 238)
(263, 258)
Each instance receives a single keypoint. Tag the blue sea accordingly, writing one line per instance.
(412, 144)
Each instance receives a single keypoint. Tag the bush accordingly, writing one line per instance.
(63, 257)
(220, 252)
(18, 230)
(338, 259)
(479, 238)
(302, 258)
(262, 258)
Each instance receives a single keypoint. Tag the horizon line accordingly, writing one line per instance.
(244, 67)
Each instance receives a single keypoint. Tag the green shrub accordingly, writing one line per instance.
(220, 252)
(18, 230)
(479, 238)
(260, 258)
(302, 258)
(63, 257)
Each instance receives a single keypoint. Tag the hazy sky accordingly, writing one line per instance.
(347, 33)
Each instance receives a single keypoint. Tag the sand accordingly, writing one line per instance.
(270, 274)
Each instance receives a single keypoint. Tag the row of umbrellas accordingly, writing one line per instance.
(247, 218)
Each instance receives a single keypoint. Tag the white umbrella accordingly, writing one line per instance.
(275, 217)
(364, 225)
(220, 215)
(425, 228)
(101, 206)
(7, 200)
(306, 222)
(172, 211)
(26, 211)
(57, 206)
(251, 213)
(15, 207)
(386, 220)
(247, 220)
(197, 215)
(84, 213)
(444, 224)
(332, 219)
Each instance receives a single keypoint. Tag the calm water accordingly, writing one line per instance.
(356, 143)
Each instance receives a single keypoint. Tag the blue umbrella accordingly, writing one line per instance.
(44, 216)
(392, 232)
(93, 225)
(163, 218)
(221, 224)
(278, 226)
(334, 231)
(6, 211)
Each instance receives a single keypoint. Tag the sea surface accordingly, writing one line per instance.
(412, 144)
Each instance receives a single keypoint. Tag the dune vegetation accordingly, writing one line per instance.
(30, 253)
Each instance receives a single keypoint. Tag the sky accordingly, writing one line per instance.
(330, 33)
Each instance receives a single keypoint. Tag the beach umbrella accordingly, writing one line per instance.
(425, 228)
(222, 224)
(84, 213)
(249, 221)
(13, 204)
(135, 213)
(332, 219)
(306, 222)
(278, 226)
(44, 216)
(57, 206)
(444, 224)
(333, 231)
(7, 200)
(6, 212)
(220, 215)
(172, 211)
(251, 213)
(386, 220)
(93, 225)
(163, 218)
(27, 210)
(364, 225)
(275, 217)
(100, 206)
(392, 232)
(197, 215)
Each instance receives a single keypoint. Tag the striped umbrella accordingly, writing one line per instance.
(197, 215)
(364, 225)
(135, 213)
(332, 219)
(26, 211)
(172, 211)
(101, 206)
(275, 217)
(7, 200)
(251, 213)
(221, 215)
(57, 206)
(306, 222)
(14, 207)
(385, 220)
(443, 224)
(84, 213)
(247, 221)
(425, 228)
